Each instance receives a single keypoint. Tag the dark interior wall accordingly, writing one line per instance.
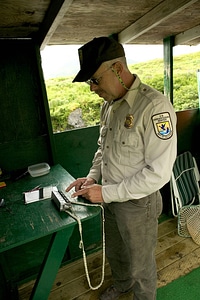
(75, 149)
(24, 127)
(188, 128)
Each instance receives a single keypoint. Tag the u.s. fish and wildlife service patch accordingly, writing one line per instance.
(162, 125)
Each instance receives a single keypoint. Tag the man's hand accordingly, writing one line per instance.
(80, 183)
(93, 193)
(87, 188)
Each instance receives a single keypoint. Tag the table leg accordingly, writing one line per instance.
(51, 264)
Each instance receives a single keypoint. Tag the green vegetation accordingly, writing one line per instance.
(65, 97)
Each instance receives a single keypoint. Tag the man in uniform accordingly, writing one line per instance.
(137, 149)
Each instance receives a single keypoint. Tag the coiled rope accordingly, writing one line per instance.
(81, 244)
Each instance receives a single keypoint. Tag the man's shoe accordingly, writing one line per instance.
(111, 293)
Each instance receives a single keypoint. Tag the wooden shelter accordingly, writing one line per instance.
(26, 136)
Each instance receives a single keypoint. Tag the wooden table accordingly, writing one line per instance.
(21, 223)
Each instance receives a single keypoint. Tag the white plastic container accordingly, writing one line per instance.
(39, 169)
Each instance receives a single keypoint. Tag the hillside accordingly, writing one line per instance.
(72, 105)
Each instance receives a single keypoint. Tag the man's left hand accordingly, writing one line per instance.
(93, 193)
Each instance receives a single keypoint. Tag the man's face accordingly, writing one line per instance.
(104, 83)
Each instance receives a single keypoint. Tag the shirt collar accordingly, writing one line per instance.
(130, 95)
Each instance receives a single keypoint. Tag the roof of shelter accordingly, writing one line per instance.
(65, 22)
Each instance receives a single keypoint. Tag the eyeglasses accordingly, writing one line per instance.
(97, 80)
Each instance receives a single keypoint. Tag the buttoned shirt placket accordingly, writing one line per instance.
(107, 139)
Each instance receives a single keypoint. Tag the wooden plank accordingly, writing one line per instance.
(179, 268)
(187, 35)
(95, 294)
(73, 270)
(53, 17)
(151, 19)
(73, 275)
(69, 289)
(167, 226)
(175, 253)
(80, 286)
(166, 242)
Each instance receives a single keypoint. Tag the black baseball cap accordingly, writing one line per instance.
(94, 53)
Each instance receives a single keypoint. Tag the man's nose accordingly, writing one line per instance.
(93, 87)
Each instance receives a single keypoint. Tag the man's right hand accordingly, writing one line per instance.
(80, 183)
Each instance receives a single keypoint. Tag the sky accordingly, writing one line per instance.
(63, 60)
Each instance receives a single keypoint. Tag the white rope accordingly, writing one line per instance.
(81, 244)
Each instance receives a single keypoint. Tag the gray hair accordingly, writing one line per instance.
(121, 59)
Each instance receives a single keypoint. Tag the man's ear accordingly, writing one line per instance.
(117, 67)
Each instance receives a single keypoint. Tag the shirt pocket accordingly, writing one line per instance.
(126, 147)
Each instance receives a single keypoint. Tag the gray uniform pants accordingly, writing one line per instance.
(131, 237)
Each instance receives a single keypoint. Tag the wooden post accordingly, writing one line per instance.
(168, 44)
(198, 84)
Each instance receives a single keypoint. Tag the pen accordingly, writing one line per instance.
(35, 188)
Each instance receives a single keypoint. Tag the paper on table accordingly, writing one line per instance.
(40, 194)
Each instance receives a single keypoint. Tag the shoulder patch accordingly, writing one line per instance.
(162, 125)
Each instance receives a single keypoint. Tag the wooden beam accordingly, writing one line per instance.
(160, 13)
(187, 36)
(54, 15)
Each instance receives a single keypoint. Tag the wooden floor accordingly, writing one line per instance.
(176, 256)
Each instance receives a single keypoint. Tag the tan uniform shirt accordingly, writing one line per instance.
(137, 144)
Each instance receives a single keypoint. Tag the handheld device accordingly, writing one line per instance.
(61, 200)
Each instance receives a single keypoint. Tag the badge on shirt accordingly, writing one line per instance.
(128, 121)
(162, 125)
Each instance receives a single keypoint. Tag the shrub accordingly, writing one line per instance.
(65, 97)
